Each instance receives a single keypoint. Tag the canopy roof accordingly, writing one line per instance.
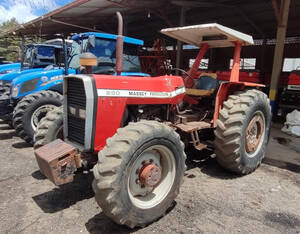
(215, 35)
(144, 19)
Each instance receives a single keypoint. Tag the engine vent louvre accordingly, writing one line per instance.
(76, 101)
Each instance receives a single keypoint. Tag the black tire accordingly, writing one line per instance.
(116, 164)
(49, 128)
(5, 89)
(232, 151)
(25, 109)
(10, 123)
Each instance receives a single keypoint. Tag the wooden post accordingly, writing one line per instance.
(179, 43)
(279, 49)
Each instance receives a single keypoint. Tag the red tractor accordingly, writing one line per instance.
(140, 127)
(289, 97)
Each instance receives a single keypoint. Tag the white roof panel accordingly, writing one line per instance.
(215, 35)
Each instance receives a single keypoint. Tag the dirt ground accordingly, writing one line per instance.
(211, 200)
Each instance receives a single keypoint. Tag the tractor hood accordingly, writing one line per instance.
(8, 77)
(37, 81)
(5, 68)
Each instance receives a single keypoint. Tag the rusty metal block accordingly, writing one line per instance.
(58, 161)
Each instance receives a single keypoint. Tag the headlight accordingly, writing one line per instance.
(15, 90)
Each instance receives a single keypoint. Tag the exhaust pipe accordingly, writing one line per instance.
(119, 45)
(22, 50)
(64, 45)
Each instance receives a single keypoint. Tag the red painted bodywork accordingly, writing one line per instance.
(194, 69)
(110, 110)
(253, 77)
(294, 78)
(193, 72)
(234, 83)
(283, 79)
(235, 72)
(227, 89)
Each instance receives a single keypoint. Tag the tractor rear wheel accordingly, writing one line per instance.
(242, 131)
(139, 173)
(49, 128)
(31, 109)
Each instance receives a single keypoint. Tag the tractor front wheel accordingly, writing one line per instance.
(49, 128)
(139, 173)
(242, 131)
(31, 109)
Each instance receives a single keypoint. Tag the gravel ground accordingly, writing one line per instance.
(211, 200)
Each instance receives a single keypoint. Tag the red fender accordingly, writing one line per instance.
(227, 89)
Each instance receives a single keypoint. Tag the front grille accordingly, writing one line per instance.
(29, 85)
(76, 101)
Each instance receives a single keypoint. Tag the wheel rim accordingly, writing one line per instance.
(255, 134)
(151, 176)
(40, 113)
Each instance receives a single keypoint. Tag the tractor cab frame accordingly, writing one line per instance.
(208, 36)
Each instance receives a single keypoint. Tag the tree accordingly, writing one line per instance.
(10, 46)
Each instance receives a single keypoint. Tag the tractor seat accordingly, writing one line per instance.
(205, 85)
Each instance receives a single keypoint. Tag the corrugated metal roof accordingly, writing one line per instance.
(145, 18)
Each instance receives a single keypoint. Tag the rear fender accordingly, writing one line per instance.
(227, 89)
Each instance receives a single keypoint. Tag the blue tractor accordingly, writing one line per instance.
(9, 67)
(36, 57)
(33, 95)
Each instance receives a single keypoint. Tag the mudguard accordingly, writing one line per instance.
(227, 89)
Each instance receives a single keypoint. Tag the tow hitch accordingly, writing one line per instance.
(58, 161)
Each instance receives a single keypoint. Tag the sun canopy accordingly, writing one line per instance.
(215, 35)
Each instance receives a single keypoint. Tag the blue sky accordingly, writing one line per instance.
(26, 10)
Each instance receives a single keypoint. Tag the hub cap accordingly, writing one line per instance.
(40, 113)
(255, 133)
(151, 176)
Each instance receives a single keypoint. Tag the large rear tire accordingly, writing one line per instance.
(242, 131)
(49, 128)
(31, 109)
(139, 173)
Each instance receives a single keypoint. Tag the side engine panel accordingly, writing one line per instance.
(113, 100)
(119, 97)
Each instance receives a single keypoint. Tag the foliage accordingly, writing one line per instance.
(10, 46)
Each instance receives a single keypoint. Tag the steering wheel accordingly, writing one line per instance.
(49, 67)
(187, 80)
